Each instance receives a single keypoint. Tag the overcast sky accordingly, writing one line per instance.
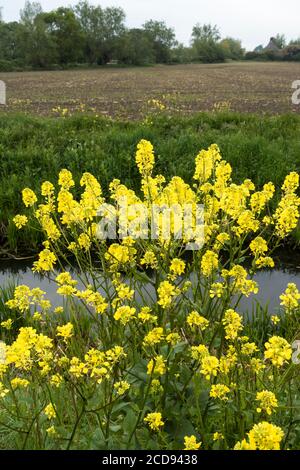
(254, 22)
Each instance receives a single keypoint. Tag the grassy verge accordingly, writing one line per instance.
(34, 149)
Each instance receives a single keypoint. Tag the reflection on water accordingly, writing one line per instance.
(272, 283)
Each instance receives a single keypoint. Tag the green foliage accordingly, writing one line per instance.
(232, 49)
(92, 35)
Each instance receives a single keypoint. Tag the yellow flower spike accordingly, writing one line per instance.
(145, 157)
(50, 412)
(65, 179)
(209, 263)
(166, 293)
(29, 197)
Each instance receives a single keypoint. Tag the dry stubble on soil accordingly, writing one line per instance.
(125, 92)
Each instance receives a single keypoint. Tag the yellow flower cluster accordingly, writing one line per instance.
(263, 436)
(278, 351)
(267, 402)
(154, 421)
(291, 297)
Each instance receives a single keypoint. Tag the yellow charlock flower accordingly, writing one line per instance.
(263, 436)
(190, 443)
(29, 197)
(93, 299)
(47, 189)
(154, 421)
(291, 183)
(121, 387)
(205, 163)
(198, 352)
(275, 319)
(157, 366)
(177, 266)
(46, 261)
(65, 179)
(65, 331)
(84, 241)
(173, 338)
(145, 315)
(166, 293)
(119, 255)
(219, 391)
(209, 263)
(218, 436)
(145, 157)
(258, 246)
(149, 260)
(19, 383)
(154, 336)
(278, 351)
(7, 324)
(50, 412)
(125, 314)
(291, 297)
(232, 322)
(20, 221)
(195, 319)
(248, 349)
(209, 366)
(217, 290)
(267, 402)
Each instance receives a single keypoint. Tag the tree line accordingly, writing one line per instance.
(88, 34)
(91, 35)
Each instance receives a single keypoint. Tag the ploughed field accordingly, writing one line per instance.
(128, 92)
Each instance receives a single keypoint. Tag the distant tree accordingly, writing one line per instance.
(206, 32)
(114, 28)
(135, 48)
(163, 39)
(30, 12)
(232, 48)
(280, 41)
(294, 42)
(65, 31)
(12, 41)
(91, 20)
(205, 43)
(181, 54)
